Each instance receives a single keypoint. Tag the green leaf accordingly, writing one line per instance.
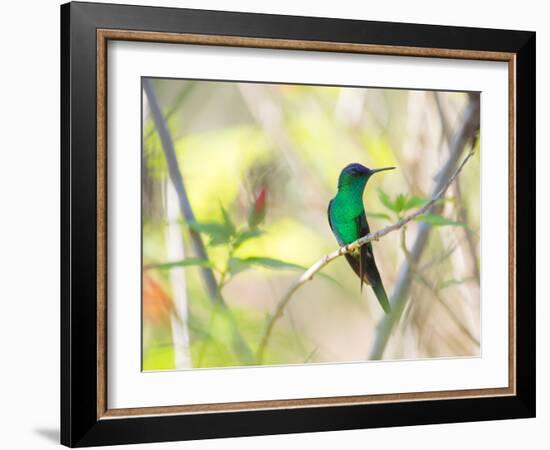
(415, 202)
(385, 199)
(277, 264)
(182, 263)
(453, 282)
(219, 233)
(439, 221)
(237, 265)
(245, 235)
(378, 216)
(210, 228)
(442, 200)
(227, 221)
(256, 217)
(399, 203)
(271, 263)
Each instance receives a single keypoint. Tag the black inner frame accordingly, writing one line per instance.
(79, 423)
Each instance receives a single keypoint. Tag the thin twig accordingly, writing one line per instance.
(434, 290)
(440, 258)
(448, 309)
(315, 268)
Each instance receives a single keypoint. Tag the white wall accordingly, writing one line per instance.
(29, 242)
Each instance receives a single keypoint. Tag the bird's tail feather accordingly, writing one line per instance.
(380, 292)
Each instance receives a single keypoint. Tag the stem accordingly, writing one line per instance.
(463, 217)
(175, 250)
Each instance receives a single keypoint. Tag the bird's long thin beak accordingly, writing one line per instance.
(381, 169)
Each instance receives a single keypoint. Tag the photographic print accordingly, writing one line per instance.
(302, 224)
(267, 220)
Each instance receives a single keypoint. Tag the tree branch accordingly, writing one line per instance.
(177, 182)
(468, 128)
(182, 96)
(315, 268)
(239, 345)
(462, 212)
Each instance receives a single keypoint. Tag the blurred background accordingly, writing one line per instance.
(255, 167)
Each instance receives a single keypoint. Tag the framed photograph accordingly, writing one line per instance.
(277, 224)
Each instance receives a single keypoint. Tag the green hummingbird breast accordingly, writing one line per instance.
(343, 214)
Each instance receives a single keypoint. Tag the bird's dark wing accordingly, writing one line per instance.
(364, 265)
(366, 256)
(328, 214)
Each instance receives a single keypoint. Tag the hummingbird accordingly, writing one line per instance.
(348, 222)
